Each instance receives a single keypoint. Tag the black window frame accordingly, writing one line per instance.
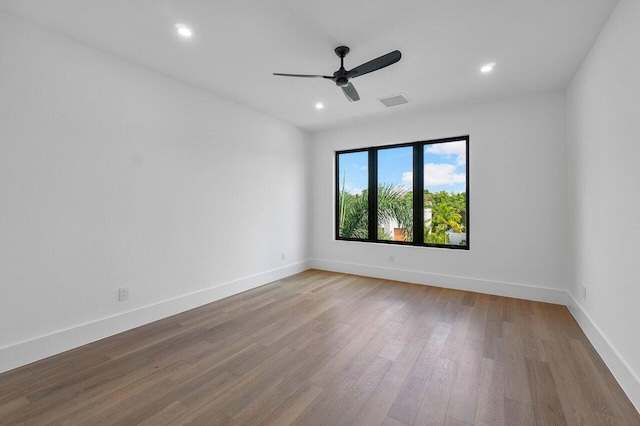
(418, 193)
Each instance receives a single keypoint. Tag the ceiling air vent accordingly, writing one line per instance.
(394, 100)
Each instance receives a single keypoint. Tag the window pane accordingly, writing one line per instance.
(445, 193)
(353, 199)
(395, 194)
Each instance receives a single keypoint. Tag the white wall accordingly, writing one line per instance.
(603, 108)
(112, 175)
(518, 221)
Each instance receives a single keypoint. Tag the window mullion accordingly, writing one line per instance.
(418, 194)
(373, 194)
(337, 197)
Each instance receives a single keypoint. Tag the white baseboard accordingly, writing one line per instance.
(620, 368)
(520, 291)
(62, 340)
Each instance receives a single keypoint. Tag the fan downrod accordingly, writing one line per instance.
(339, 76)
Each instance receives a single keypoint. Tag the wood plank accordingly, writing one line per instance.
(464, 398)
(294, 406)
(14, 404)
(105, 397)
(392, 422)
(530, 334)
(600, 399)
(358, 364)
(260, 408)
(104, 394)
(425, 364)
(458, 335)
(516, 382)
(407, 402)
(344, 357)
(546, 404)
(350, 404)
(377, 406)
(478, 322)
(322, 406)
(518, 413)
(170, 415)
(575, 406)
(490, 409)
(433, 409)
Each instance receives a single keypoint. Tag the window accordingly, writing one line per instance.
(353, 205)
(408, 194)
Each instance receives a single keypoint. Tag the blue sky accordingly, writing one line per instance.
(444, 168)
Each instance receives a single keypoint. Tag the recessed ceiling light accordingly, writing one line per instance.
(183, 30)
(488, 67)
(319, 105)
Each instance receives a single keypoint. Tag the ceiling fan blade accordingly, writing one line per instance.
(350, 92)
(303, 75)
(375, 64)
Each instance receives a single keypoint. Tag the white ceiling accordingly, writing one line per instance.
(237, 45)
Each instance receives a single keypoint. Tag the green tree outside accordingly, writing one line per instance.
(448, 213)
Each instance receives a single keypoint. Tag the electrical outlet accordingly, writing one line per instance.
(584, 292)
(284, 256)
(392, 258)
(123, 293)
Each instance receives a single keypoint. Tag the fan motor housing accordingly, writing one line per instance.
(342, 81)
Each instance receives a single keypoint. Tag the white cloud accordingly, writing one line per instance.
(407, 180)
(442, 174)
(436, 175)
(352, 190)
(448, 149)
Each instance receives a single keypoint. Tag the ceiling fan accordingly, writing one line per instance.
(342, 76)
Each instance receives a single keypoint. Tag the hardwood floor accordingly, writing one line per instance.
(327, 348)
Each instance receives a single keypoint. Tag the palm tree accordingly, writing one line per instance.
(354, 215)
(393, 203)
